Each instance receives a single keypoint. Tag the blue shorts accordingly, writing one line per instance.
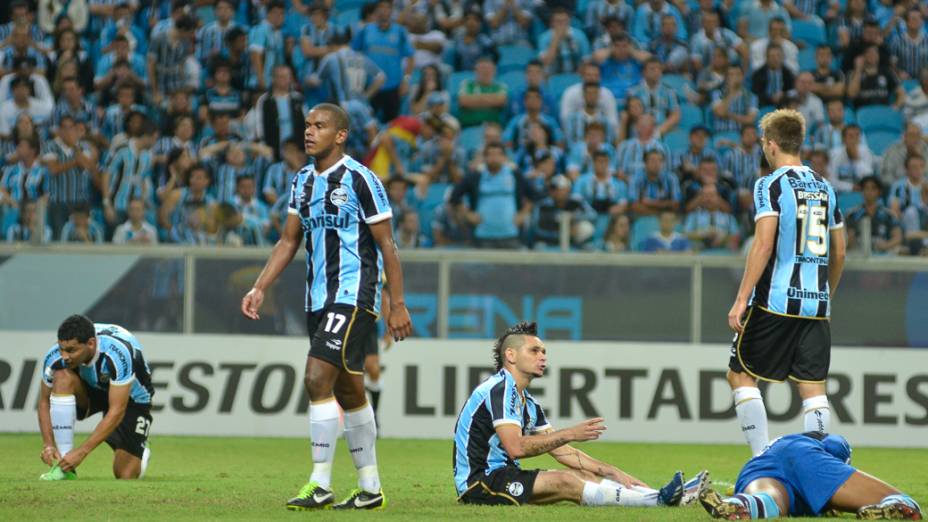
(810, 475)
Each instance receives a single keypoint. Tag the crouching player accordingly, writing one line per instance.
(95, 368)
(501, 423)
(804, 475)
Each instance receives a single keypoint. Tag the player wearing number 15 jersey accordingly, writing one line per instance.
(781, 312)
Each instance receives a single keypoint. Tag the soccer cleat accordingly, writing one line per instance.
(694, 487)
(311, 496)
(360, 499)
(672, 493)
(893, 511)
(56, 473)
(719, 508)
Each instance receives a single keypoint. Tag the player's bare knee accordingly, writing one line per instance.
(739, 379)
(64, 382)
(319, 381)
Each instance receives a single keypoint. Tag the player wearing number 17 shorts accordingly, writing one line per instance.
(780, 316)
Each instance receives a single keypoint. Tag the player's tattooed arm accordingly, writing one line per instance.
(519, 446)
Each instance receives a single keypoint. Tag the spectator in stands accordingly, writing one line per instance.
(20, 45)
(509, 21)
(599, 11)
(808, 104)
(540, 144)
(916, 103)
(756, 16)
(105, 74)
(316, 37)
(895, 158)
(279, 114)
(869, 34)
(686, 162)
(438, 159)
(873, 83)
(576, 123)
(885, 229)
(22, 229)
(572, 98)
(222, 96)
(851, 161)
(409, 232)
(828, 134)
(773, 80)
(618, 234)
(829, 81)
(648, 16)
(167, 56)
(399, 196)
(27, 179)
(136, 231)
(605, 193)
(776, 34)
(68, 52)
(430, 82)
(22, 102)
(907, 192)
(450, 227)
(733, 105)
(498, 200)
(428, 44)
(179, 204)
(562, 47)
(128, 174)
(558, 205)
(707, 177)
(80, 228)
(628, 119)
(237, 55)
(712, 36)
(915, 226)
(630, 155)
(666, 239)
(279, 176)
(253, 211)
(621, 70)
(73, 103)
(712, 78)
(39, 87)
(709, 221)
(804, 10)
(669, 49)
(516, 134)
(470, 42)
(910, 48)
(210, 36)
(267, 46)
(387, 44)
(483, 98)
(535, 78)
(741, 167)
(659, 99)
(653, 188)
(72, 165)
(345, 74)
(580, 158)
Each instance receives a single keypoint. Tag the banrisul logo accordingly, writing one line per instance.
(329, 221)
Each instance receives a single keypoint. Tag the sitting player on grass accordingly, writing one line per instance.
(501, 423)
(803, 475)
(95, 367)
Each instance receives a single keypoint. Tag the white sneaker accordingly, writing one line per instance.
(694, 487)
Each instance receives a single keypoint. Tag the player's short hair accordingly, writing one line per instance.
(510, 337)
(339, 116)
(786, 128)
(77, 327)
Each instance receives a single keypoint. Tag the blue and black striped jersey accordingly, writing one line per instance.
(336, 207)
(795, 281)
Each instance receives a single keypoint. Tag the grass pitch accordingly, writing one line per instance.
(197, 478)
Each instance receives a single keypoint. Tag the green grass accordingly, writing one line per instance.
(193, 478)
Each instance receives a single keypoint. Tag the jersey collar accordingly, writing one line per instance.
(331, 169)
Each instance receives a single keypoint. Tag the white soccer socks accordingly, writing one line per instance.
(749, 405)
(361, 434)
(323, 428)
(816, 414)
(609, 493)
(63, 414)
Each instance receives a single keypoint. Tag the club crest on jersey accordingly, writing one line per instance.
(515, 488)
(339, 197)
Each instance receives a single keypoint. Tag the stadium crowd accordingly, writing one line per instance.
(489, 121)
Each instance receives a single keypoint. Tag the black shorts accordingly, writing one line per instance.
(508, 486)
(339, 334)
(131, 435)
(775, 347)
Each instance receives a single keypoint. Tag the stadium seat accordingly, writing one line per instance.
(850, 115)
(811, 31)
(909, 84)
(513, 80)
(732, 136)
(471, 139)
(807, 59)
(677, 140)
(642, 228)
(514, 57)
(847, 201)
(456, 79)
(766, 109)
(879, 117)
(558, 83)
(880, 140)
(434, 197)
(341, 5)
(690, 116)
(348, 17)
(677, 82)
(599, 229)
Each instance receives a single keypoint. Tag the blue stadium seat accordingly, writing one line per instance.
(456, 79)
(677, 140)
(341, 5)
(513, 80)
(811, 31)
(847, 201)
(690, 116)
(677, 83)
(807, 59)
(599, 229)
(471, 139)
(732, 136)
(348, 17)
(434, 197)
(514, 57)
(850, 115)
(879, 117)
(558, 83)
(766, 109)
(642, 228)
(909, 84)
(880, 140)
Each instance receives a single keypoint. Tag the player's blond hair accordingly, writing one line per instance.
(786, 128)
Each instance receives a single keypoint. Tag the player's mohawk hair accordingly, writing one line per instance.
(518, 329)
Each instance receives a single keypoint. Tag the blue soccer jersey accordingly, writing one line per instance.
(477, 450)
(119, 361)
(795, 281)
(336, 208)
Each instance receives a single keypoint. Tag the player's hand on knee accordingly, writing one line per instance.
(50, 455)
(589, 429)
(251, 303)
(625, 479)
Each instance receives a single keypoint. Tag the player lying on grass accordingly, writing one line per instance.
(805, 475)
(501, 423)
(95, 368)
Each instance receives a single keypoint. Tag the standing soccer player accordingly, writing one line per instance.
(780, 315)
(342, 210)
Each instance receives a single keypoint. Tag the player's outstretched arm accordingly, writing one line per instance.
(519, 446)
(577, 459)
(398, 321)
(836, 259)
(118, 399)
(761, 249)
(49, 448)
(281, 256)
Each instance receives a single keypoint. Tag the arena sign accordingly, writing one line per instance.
(253, 386)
